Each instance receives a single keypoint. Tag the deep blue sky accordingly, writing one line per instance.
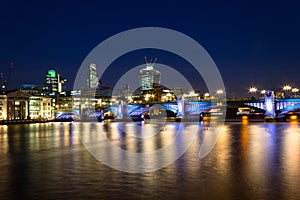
(252, 42)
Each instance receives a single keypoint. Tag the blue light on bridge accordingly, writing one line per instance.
(270, 104)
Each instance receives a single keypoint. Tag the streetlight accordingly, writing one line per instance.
(152, 95)
(219, 92)
(147, 96)
(286, 89)
(206, 96)
(253, 90)
(295, 91)
(263, 92)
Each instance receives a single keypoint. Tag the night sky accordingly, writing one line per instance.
(252, 42)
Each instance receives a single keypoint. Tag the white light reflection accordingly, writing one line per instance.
(223, 152)
(3, 139)
(134, 146)
(291, 155)
(260, 157)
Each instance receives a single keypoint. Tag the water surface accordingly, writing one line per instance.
(250, 161)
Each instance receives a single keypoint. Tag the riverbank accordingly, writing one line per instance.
(25, 121)
(171, 119)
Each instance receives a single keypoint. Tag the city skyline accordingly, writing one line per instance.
(251, 44)
(54, 82)
(149, 99)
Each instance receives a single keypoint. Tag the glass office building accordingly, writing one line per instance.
(149, 77)
(93, 78)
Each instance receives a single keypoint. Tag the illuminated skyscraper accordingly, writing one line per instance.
(149, 77)
(54, 82)
(93, 78)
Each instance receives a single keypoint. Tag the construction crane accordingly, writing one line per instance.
(5, 82)
(150, 64)
(10, 71)
(2, 81)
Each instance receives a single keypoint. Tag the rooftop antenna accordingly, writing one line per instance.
(145, 58)
(2, 81)
(10, 70)
(150, 61)
(150, 64)
(154, 61)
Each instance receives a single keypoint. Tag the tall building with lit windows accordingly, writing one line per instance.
(149, 77)
(93, 78)
(54, 82)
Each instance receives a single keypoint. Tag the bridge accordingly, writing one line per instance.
(281, 105)
(136, 110)
(273, 107)
(269, 105)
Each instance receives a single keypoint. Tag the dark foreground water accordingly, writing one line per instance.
(250, 161)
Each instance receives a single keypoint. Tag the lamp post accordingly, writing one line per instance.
(253, 91)
(219, 92)
(287, 89)
(147, 97)
(206, 96)
(263, 92)
(295, 91)
(153, 97)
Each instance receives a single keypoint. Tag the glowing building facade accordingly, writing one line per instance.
(40, 107)
(19, 105)
(149, 77)
(54, 82)
(93, 78)
(3, 107)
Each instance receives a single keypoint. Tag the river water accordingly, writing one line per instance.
(249, 161)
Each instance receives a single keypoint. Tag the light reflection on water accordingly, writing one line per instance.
(250, 161)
